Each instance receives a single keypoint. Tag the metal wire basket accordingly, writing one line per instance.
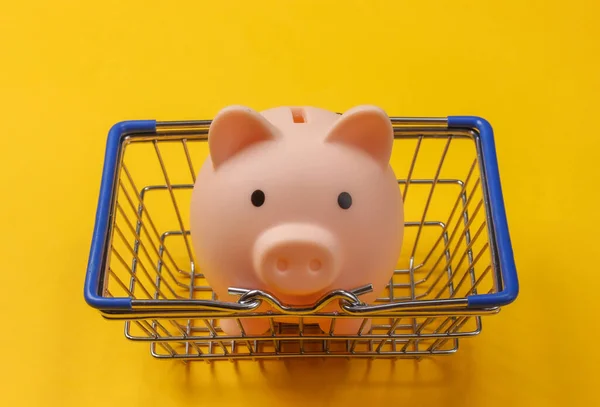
(456, 263)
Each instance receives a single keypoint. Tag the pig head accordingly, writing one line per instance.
(297, 202)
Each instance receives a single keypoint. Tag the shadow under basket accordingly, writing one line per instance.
(456, 263)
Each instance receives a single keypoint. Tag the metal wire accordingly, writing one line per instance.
(423, 311)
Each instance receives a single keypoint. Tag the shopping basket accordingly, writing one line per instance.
(456, 263)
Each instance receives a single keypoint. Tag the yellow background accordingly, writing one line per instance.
(69, 70)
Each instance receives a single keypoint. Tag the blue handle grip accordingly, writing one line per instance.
(508, 270)
(99, 238)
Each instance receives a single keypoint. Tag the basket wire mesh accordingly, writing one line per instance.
(446, 255)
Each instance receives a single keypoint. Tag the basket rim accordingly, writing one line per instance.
(482, 131)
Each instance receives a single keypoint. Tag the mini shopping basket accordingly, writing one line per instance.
(456, 263)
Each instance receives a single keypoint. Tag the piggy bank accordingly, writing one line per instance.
(297, 202)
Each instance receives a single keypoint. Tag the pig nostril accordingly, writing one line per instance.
(282, 264)
(315, 265)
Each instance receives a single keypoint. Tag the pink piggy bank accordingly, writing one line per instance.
(297, 202)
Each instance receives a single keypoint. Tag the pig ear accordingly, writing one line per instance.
(367, 128)
(235, 128)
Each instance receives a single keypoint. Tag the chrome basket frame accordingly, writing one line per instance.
(180, 318)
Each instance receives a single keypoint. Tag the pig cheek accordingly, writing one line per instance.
(348, 226)
(225, 238)
(367, 236)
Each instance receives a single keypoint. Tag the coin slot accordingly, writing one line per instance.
(298, 115)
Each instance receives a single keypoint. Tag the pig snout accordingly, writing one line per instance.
(297, 259)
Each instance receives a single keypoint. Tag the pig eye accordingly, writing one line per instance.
(257, 198)
(344, 200)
